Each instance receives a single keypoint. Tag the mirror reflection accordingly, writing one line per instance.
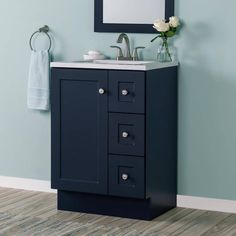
(133, 11)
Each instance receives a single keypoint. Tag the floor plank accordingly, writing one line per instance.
(29, 213)
(160, 225)
(224, 227)
(201, 224)
(179, 224)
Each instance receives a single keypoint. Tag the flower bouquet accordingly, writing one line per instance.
(165, 30)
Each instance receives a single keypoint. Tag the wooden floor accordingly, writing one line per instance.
(28, 213)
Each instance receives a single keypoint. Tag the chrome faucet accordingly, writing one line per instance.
(124, 37)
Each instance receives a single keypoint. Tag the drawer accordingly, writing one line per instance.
(126, 176)
(126, 134)
(127, 91)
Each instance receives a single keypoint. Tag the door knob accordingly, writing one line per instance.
(124, 92)
(125, 176)
(101, 91)
(125, 134)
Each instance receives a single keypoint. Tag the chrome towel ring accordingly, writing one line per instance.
(44, 30)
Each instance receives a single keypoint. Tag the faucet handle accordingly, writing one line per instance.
(120, 54)
(135, 53)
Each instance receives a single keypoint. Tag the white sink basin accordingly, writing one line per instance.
(115, 62)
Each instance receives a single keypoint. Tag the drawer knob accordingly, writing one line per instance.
(101, 91)
(124, 92)
(125, 134)
(125, 176)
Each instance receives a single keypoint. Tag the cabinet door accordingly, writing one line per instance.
(79, 130)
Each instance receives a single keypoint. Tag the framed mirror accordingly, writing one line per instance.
(130, 16)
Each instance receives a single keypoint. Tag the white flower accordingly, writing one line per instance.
(174, 21)
(161, 26)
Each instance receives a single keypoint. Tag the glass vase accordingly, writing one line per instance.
(164, 52)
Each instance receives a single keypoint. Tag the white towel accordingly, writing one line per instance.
(38, 83)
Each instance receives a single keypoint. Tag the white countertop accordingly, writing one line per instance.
(147, 65)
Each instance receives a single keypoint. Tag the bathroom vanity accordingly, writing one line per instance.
(114, 137)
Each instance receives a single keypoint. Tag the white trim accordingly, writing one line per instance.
(117, 65)
(210, 204)
(26, 184)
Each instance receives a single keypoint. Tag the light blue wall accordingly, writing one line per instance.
(207, 87)
(207, 95)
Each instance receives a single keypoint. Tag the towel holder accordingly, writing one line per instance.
(45, 30)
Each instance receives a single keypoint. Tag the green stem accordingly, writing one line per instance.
(158, 36)
(165, 43)
(162, 46)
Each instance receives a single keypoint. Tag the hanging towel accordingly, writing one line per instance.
(38, 83)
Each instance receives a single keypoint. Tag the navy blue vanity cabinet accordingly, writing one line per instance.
(114, 140)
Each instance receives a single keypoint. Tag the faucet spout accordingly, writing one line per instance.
(124, 37)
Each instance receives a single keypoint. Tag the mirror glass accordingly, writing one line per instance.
(133, 11)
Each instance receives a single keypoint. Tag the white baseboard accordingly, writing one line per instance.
(26, 184)
(210, 204)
